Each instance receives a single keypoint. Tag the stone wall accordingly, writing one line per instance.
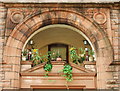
(115, 66)
(22, 20)
(3, 11)
(115, 22)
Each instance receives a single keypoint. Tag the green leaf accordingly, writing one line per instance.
(67, 72)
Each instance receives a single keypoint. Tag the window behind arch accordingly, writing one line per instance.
(61, 49)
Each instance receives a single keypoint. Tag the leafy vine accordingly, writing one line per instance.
(47, 68)
(67, 72)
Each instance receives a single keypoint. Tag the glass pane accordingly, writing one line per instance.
(61, 50)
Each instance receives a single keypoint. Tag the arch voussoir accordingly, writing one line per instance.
(30, 23)
(37, 19)
(24, 28)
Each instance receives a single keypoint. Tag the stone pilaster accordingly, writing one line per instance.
(2, 31)
(116, 35)
(114, 67)
(119, 48)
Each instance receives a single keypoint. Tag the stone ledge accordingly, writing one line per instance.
(56, 5)
(89, 63)
(115, 63)
(58, 86)
(60, 1)
(53, 62)
(3, 63)
(26, 62)
(113, 86)
(111, 81)
(57, 74)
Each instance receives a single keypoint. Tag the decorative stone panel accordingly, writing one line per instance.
(17, 17)
(100, 18)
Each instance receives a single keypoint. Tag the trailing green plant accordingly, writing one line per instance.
(67, 72)
(49, 55)
(47, 67)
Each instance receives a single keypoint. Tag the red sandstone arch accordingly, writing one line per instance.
(97, 36)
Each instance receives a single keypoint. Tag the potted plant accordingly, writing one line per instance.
(35, 57)
(58, 57)
(51, 56)
(91, 53)
(82, 52)
(24, 55)
(74, 56)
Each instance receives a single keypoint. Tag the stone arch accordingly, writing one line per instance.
(96, 35)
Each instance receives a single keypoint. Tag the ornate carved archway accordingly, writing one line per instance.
(95, 34)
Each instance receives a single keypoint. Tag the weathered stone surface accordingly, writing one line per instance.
(69, 1)
(103, 36)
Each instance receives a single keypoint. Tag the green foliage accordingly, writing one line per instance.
(81, 51)
(81, 55)
(24, 53)
(49, 55)
(73, 54)
(55, 54)
(75, 57)
(91, 52)
(36, 57)
(79, 58)
(67, 72)
(47, 67)
(43, 58)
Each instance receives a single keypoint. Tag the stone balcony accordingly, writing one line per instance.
(35, 77)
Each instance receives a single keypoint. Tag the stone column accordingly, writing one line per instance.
(2, 33)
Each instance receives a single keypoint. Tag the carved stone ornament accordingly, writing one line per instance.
(99, 17)
(17, 17)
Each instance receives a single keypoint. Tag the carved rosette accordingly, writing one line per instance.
(99, 17)
(17, 17)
